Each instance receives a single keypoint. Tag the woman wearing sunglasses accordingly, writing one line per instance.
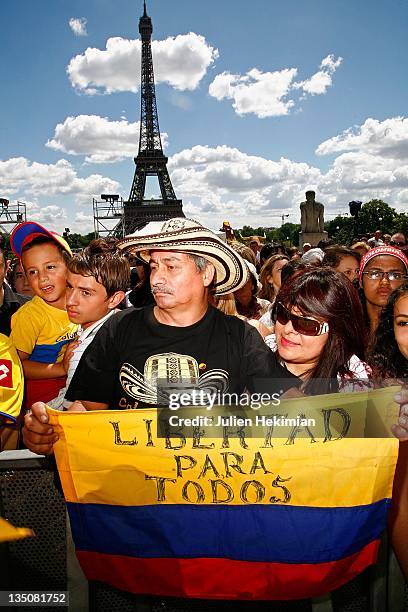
(319, 331)
(382, 270)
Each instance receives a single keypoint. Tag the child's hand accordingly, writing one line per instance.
(68, 354)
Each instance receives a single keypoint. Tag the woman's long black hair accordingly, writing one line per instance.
(385, 357)
(328, 295)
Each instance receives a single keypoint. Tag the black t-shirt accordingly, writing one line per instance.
(133, 357)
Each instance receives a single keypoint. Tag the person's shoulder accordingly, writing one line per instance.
(232, 322)
(22, 299)
(5, 344)
(12, 296)
(123, 318)
(30, 307)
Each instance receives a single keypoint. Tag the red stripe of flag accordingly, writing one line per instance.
(212, 578)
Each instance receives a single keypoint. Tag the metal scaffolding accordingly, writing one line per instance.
(11, 215)
(107, 214)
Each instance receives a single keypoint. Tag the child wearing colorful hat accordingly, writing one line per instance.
(41, 328)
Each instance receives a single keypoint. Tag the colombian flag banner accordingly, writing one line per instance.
(286, 510)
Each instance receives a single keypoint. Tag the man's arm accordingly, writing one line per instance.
(38, 436)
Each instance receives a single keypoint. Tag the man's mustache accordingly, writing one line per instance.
(162, 289)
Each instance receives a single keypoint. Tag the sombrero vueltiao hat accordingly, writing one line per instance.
(188, 236)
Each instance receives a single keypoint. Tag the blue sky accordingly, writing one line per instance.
(258, 101)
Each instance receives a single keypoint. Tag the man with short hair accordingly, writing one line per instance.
(377, 238)
(180, 343)
(10, 301)
(398, 240)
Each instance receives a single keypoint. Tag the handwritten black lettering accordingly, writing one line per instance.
(297, 429)
(239, 431)
(208, 465)
(197, 435)
(118, 439)
(161, 486)
(180, 468)
(149, 432)
(200, 497)
(258, 464)
(215, 484)
(346, 423)
(287, 495)
(234, 466)
(259, 491)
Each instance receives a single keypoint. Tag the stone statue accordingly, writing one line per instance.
(311, 215)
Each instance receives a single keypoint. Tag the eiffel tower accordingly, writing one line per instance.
(151, 160)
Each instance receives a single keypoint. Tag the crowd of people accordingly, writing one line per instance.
(87, 331)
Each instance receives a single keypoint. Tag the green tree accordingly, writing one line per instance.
(247, 230)
(374, 215)
(341, 229)
(289, 232)
(401, 224)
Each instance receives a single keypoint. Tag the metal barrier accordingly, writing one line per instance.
(29, 497)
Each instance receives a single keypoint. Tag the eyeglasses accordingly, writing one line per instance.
(301, 325)
(397, 243)
(380, 275)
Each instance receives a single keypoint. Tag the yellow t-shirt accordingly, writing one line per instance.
(41, 331)
(11, 379)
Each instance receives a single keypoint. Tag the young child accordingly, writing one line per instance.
(97, 280)
(40, 329)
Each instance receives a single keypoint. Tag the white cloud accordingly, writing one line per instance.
(180, 61)
(388, 138)
(321, 80)
(24, 178)
(78, 26)
(100, 139)
(262, 93)
(270, 94)
(220, 182)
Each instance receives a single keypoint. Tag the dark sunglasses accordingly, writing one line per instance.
(301, 325)
(397, 243)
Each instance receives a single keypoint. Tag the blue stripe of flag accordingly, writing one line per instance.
(280, 534)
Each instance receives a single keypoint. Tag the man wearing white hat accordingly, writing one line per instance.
(181, 343)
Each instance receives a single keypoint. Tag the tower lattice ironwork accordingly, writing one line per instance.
(150, 160)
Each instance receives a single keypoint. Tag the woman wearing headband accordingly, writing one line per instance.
(382, 270)
(319, 331)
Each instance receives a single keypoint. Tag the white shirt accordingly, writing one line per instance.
(85, 337)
